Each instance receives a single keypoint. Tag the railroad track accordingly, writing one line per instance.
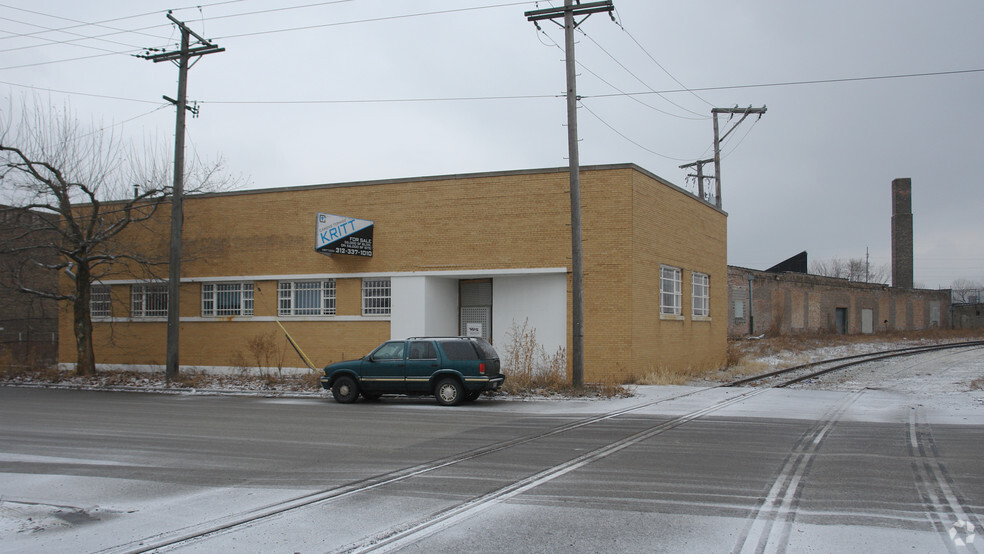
(789, 376)
(408, 532)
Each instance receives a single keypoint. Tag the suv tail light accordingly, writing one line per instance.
(481, 368)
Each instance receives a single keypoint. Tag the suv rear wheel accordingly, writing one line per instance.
(449, 392)
(345, 390)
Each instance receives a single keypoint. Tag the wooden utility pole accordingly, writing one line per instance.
(182, 58)
(717, 141)
(568, 12)
(699, 164)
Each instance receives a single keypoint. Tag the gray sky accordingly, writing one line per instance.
(326, 93)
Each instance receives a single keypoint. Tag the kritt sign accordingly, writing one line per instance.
(338, 234)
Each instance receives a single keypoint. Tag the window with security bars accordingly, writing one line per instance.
(227, 299)
(376, 296)
(670, 291)
(100, 302)
(149, 301)
(306, 297)
(701, 296)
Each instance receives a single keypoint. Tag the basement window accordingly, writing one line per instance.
(227, 299)
(306, 297)
(100, 302)
(376, 297)
(149, 301)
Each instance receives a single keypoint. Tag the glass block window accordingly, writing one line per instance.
(306, 297)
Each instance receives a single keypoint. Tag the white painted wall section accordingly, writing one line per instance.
(423, 306)
(408, 306)
(441, 317)
(539, 299)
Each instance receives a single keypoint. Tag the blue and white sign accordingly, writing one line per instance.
(337, 234)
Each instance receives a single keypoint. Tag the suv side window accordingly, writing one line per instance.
(460, 350)
(389, 351)
(422, 350)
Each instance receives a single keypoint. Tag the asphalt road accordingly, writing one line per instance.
(673, 469)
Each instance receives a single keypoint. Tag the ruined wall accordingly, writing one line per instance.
(789, 303)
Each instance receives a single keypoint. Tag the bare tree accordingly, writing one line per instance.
(854, 269)
(966, 291)
(68, 192)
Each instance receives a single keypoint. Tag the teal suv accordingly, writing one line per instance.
(453, 369)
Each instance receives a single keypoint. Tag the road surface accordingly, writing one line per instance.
(864, 466)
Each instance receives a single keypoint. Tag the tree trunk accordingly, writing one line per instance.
(85, 358)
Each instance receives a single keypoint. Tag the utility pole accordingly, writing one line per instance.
(699, 164)
(569, 11)
(182, 57)
(717, 141)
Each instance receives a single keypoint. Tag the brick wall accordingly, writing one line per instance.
(797, 303)
(632, 222)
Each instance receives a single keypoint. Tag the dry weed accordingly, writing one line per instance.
(531, 371)
(661, 375)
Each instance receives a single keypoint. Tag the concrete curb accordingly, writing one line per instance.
(168, 390)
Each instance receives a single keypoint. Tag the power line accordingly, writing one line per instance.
(80, 58)
(388, 100)
(620, 64)
(799, 83)
(66, 30)
(274, 31)
(624, 136)
(603, 80)
(275, 10)
(498, 97)
(51, 41)
(371, 20)
(113, 20)
(91, 95)
(743, 137)
(655, 61)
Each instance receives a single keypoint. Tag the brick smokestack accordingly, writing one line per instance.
(902, 233)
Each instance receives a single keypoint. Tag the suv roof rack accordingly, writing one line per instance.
(445, 337)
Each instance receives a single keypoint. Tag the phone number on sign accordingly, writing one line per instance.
(353, 252)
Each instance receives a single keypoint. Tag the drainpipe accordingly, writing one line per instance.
(751, 305)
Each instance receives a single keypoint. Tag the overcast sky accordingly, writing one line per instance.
(371, 89)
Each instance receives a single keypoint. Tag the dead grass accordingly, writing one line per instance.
(186, 380)
(530, 371)
(661, 375)
(977, 384)
(744, 355)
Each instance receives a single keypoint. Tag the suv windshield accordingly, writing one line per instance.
(389, 351)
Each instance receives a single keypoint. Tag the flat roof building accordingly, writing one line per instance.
(473, 254)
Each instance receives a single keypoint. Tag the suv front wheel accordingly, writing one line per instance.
(449, 392)
(345, 390)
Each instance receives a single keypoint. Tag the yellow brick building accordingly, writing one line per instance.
(486, 252)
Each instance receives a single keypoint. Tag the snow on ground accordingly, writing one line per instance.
(949, 384)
